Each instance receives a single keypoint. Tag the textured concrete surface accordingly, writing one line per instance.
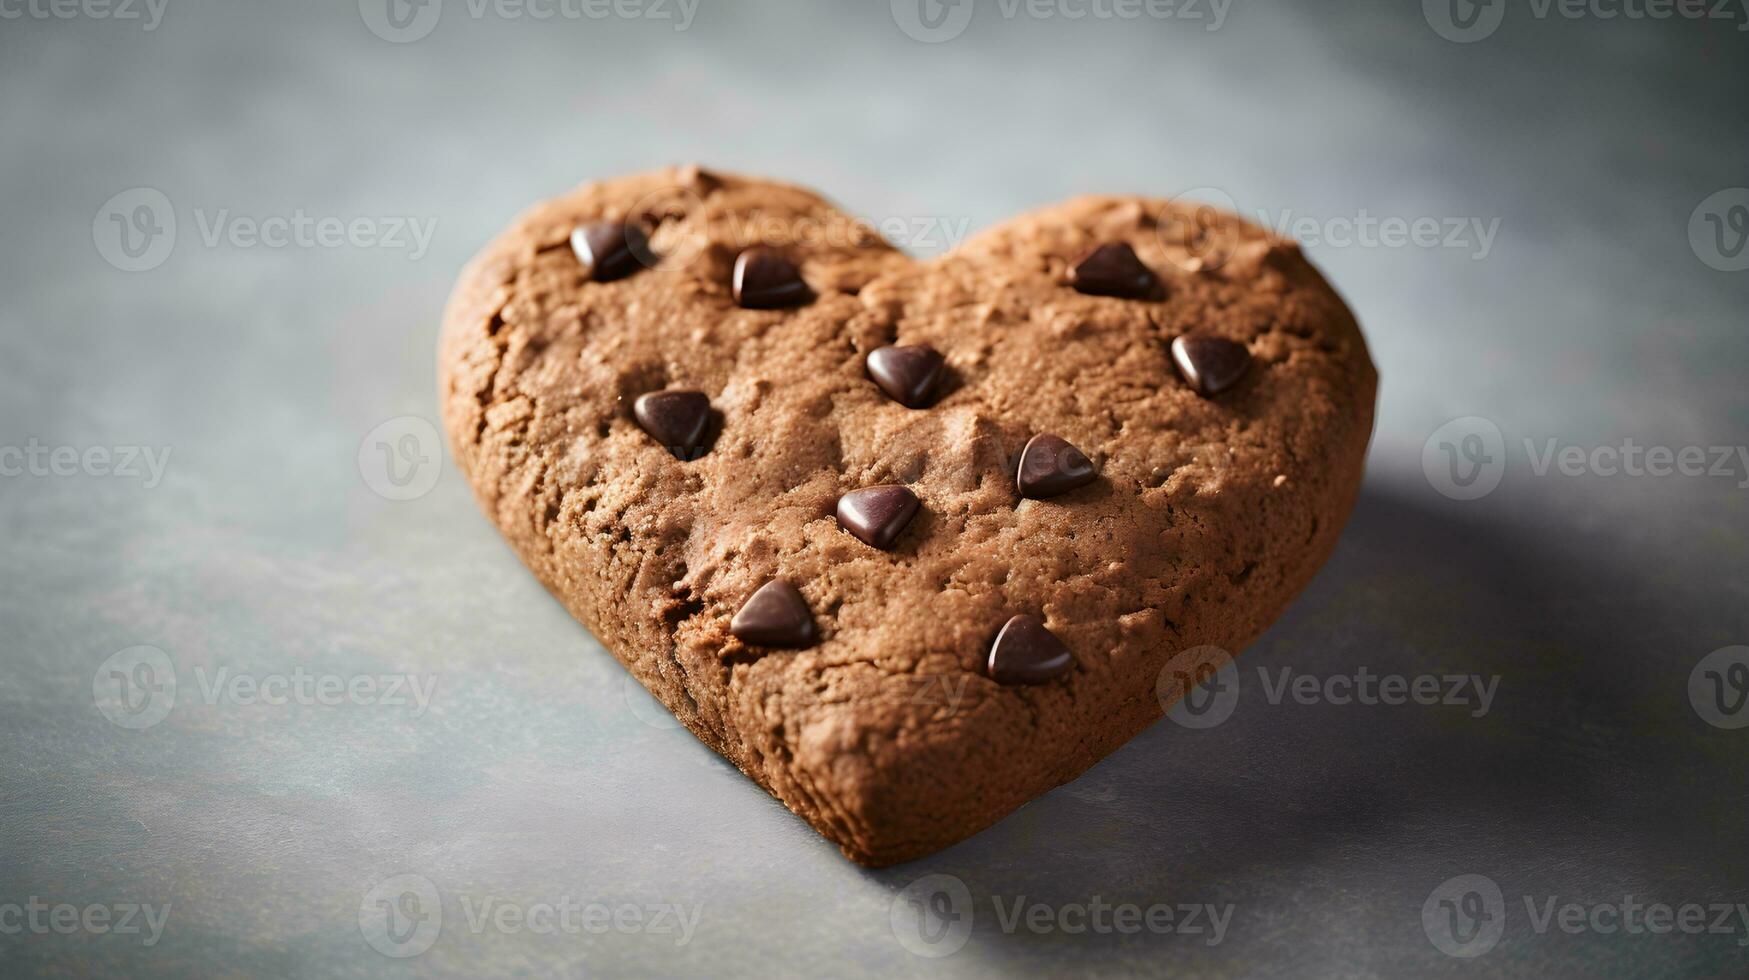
(362, 741)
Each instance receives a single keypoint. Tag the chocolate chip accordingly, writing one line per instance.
(775, 616)
(610, 250)
(1049, 466)
(909, 375)
(1211, 364)
(877, 515)
(765, 280)
(676, 419)
(1027, 653)
(1114, 270)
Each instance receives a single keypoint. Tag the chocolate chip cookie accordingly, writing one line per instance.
(908, 542)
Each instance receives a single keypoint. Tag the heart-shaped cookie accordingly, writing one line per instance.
(908, 542)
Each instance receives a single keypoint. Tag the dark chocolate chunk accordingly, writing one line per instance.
(766, 280)
(1114, 270)
(775, 616)
(610, 250)
(1211, 364)
(1049, 466)
(909, 375)
(877, 515)
(676, 419)
(1027, 653)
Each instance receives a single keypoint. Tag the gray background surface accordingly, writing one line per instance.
(537, 773)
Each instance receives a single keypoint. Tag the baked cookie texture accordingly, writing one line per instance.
(887, 734)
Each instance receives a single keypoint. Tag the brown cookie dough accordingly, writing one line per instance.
(1207, 511)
